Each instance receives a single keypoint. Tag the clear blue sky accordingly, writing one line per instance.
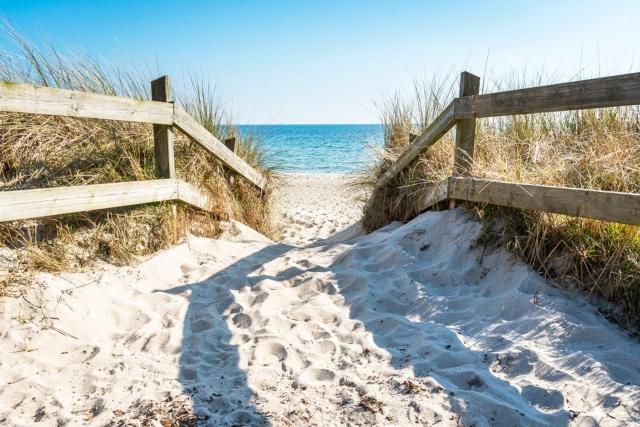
(327, 61)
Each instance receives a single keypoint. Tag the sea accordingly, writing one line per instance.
(318, 148)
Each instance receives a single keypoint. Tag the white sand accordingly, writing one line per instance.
(412, 325)
(315, 206)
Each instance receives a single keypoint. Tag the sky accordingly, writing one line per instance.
(330, 61)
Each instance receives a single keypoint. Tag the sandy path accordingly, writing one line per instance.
(415, 324)
(316, 206)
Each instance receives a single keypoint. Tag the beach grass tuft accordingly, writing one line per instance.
(591, 149)
(45, 151)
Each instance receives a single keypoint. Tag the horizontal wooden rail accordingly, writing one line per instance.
(614, 91)
(192, 196)
(19, 98)
(44, 202)
(593, 204)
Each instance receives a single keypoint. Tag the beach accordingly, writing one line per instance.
(414, 324)
(279, 214)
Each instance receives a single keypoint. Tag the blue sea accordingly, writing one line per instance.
(318, 148)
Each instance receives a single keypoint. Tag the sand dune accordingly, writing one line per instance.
(416, 324)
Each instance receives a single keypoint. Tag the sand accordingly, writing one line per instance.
(416, 324)
(317, 206)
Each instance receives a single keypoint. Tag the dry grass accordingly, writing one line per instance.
(593, 149)
(46, 151)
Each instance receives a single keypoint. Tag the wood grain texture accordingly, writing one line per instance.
(191, 195)
(465, 129)
(602, 92)
(202, 136)
(601, 205)
(25, 204)
(162, 135)
(435, 195)
(44, 202)
(21, 98)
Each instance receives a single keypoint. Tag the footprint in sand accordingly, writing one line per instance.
(326, 347)
(542, 397)
(270, 352)
(260, 298)
(515, 363)
(241, 320)
(313, 375)
(201, 325)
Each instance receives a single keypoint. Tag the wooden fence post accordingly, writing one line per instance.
(162, 136)
(231, 144)
(465, 129)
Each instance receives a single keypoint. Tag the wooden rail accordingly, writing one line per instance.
(161, 112)
(462, 112)
(43, 202)
(18, 98)
(602, 205)
(615, 91)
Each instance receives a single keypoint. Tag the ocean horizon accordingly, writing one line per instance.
(318, 148)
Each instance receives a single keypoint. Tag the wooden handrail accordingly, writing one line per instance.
(161, 112)
(614, 91)
(594, 93)
(21, 98)
(594, 204)
(44, 202)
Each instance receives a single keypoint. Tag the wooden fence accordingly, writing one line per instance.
(462, 113)
(161, 112)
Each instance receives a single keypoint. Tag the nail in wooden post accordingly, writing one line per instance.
(465, 129)
(162, 136)
(231, 144)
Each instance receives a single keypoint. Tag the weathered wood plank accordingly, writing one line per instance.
(162, 135)
(465, 129)
(191, 195)
(601, 205)
(21, 98)
(602, 92)
(26, 204)
(435, 195)
(203, 137)
(44, 202)
(430, 136)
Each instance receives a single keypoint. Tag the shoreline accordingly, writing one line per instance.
(318, 173)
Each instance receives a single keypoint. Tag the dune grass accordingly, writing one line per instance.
(591, 149)
(46, 151)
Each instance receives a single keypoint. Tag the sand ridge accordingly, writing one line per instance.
(416, 324)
